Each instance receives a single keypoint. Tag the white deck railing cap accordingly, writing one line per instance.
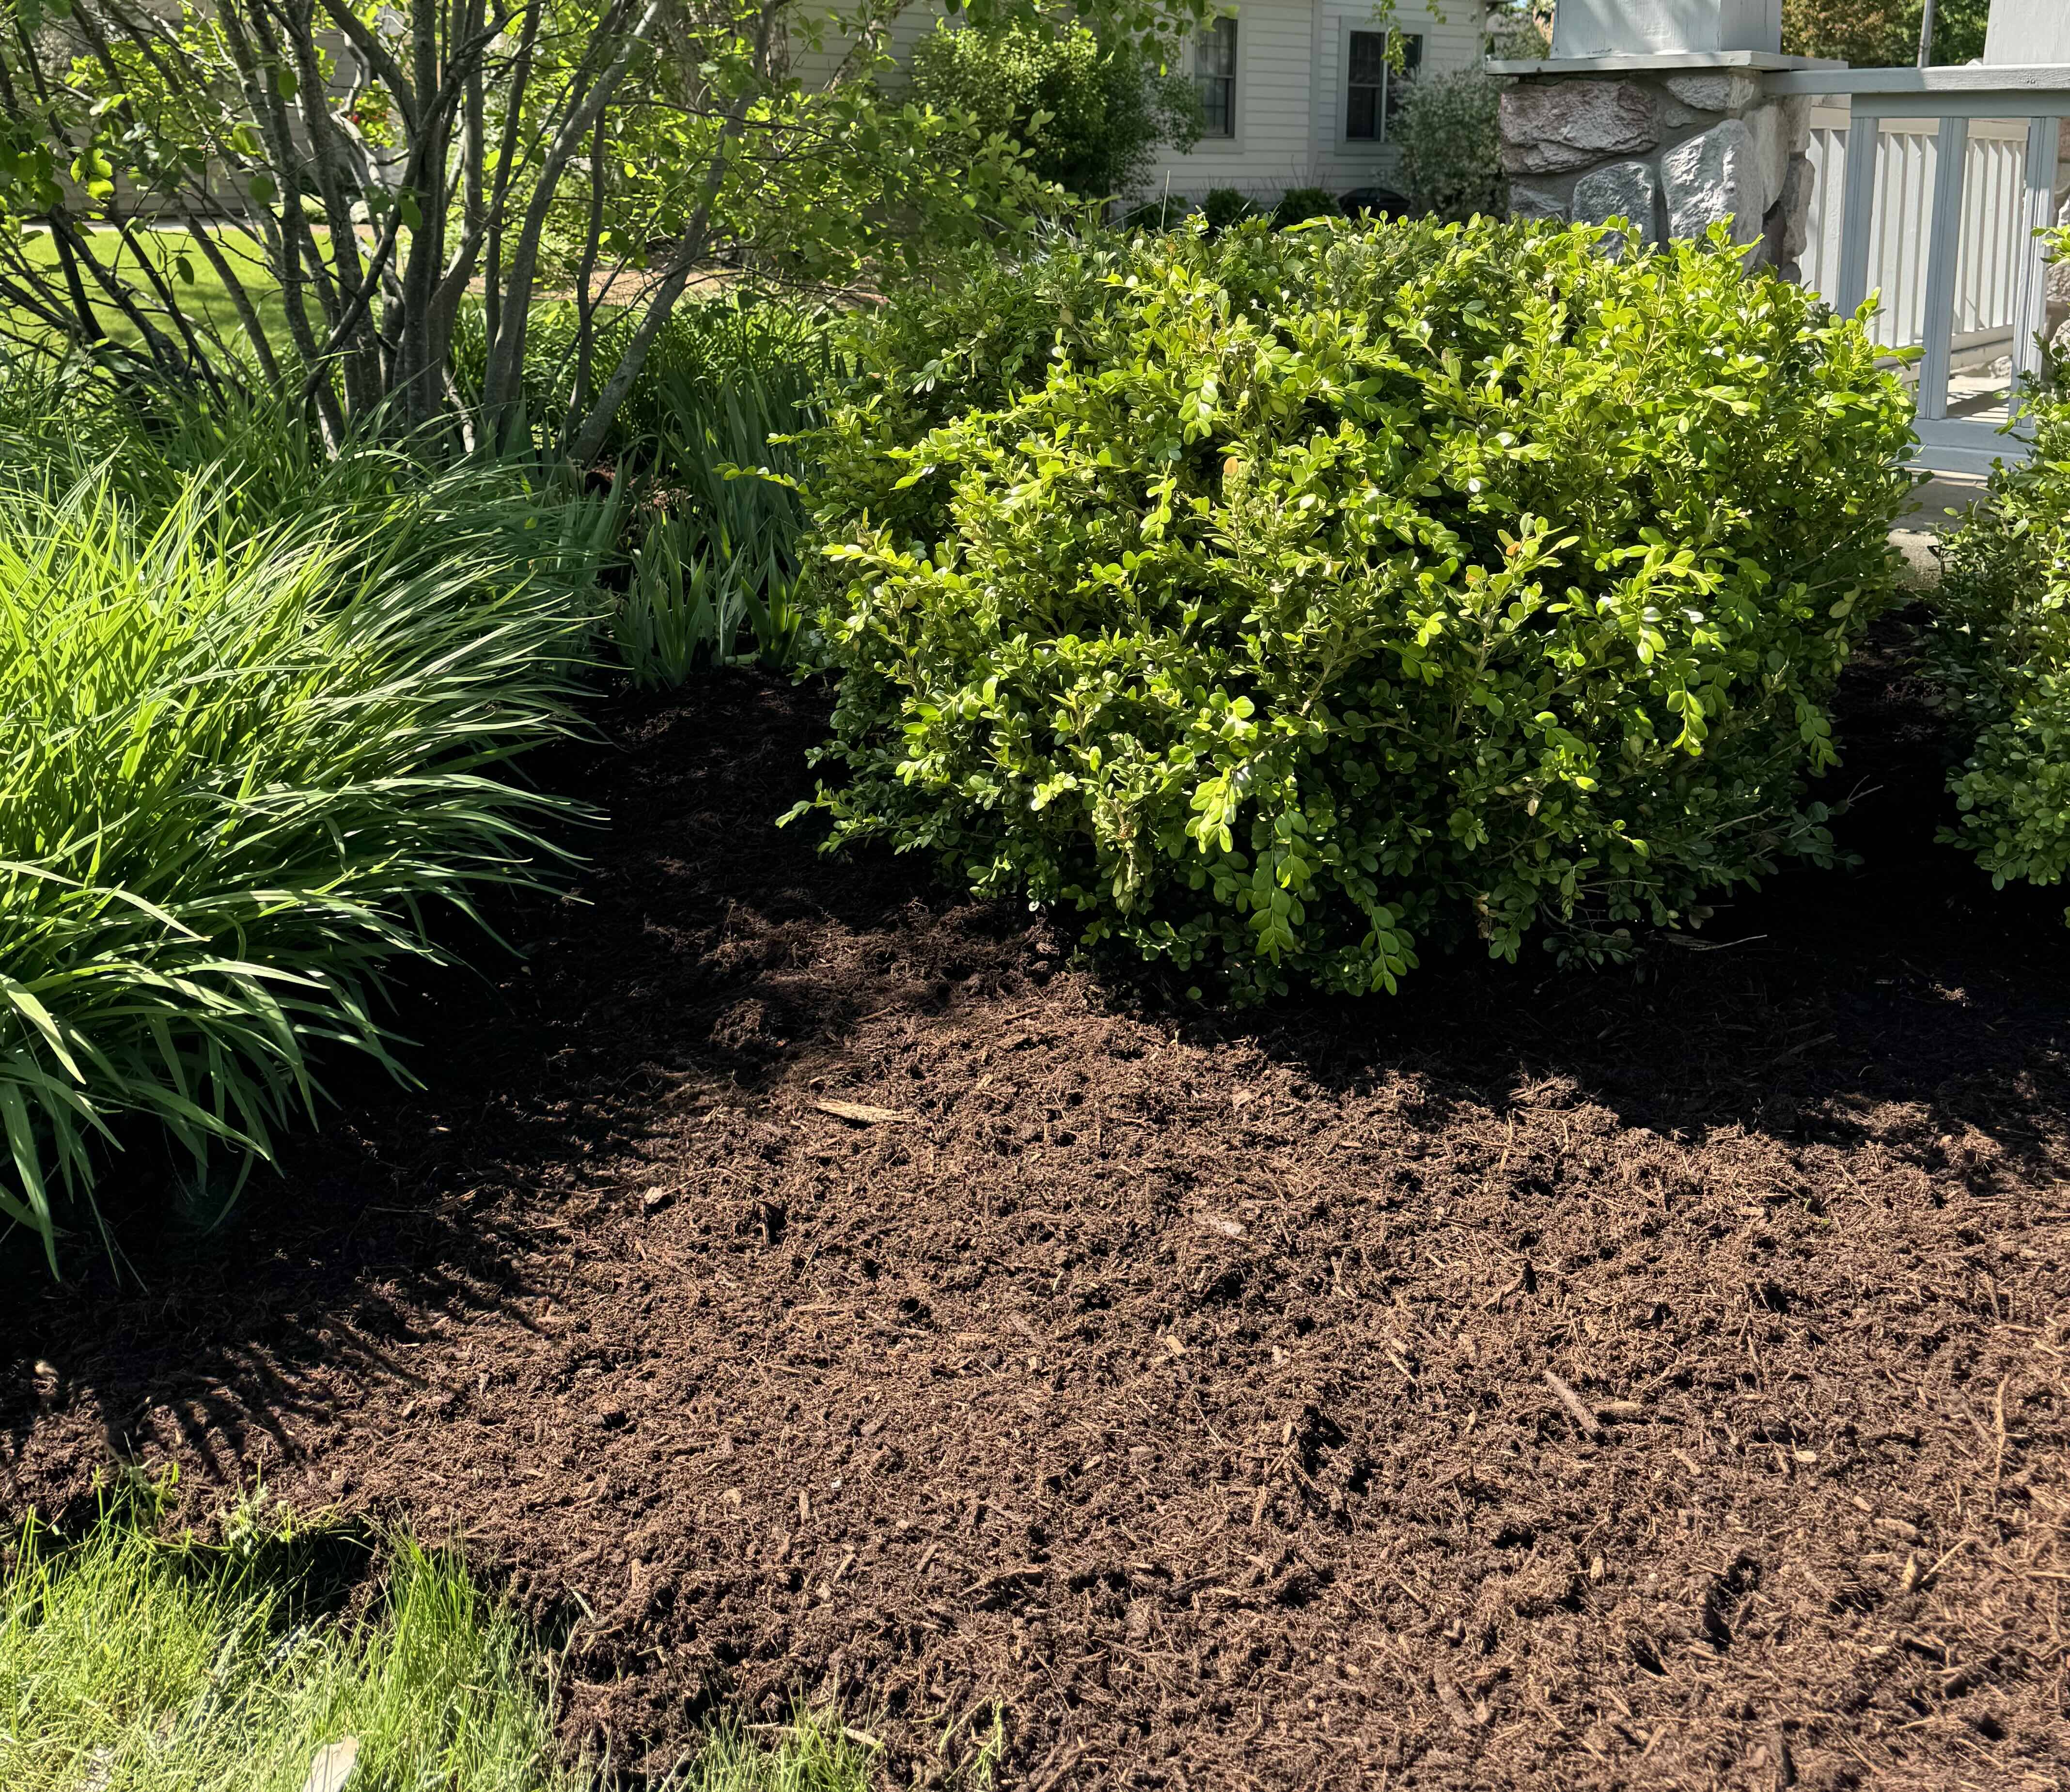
(1665, 63)
(2036, 90)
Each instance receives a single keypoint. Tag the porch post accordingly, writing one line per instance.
(2030, 313)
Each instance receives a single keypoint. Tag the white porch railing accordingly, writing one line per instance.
(1931, 190)
(1990, 254)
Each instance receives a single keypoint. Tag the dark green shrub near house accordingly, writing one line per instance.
(1225, 205)
(2000, 645)
(1299, 204)
(1280, 603)
(1161, 213)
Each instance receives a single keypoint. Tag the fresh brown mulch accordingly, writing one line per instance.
(1540, 1379)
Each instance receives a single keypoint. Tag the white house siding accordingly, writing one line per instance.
(1272, 149)
(815, 66)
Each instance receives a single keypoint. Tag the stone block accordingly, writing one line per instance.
(1771, 152)
(1713, 177)
(1789, 218)
(1535, 200)
(1623, 190)
(1554, 127)
(1729, 91)
(1796, 108)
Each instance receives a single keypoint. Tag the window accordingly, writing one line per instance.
(1374, 89)
(1214, 73)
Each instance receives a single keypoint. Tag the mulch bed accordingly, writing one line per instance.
(1171, 1399)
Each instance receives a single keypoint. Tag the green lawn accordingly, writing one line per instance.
(128, 1664)
(204, 297)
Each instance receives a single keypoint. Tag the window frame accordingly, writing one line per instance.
(1390, 93)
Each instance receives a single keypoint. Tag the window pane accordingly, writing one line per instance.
(1214, 73)
(1362, 116)
(1368, 56)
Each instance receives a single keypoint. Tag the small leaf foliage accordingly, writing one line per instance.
(1280, 603)
(2000, 648)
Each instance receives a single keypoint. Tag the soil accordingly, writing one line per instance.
(1643, 1379)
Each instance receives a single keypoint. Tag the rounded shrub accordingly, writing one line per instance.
(2000, 645)
(1279, 602)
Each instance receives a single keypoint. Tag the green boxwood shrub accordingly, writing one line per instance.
(2000, 645)
(1278, 602)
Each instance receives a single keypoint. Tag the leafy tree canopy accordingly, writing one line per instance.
(407, 171)
(1884, 34)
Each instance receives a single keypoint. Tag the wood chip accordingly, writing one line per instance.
(1577, 1408)
(1217, 1222)
(1005, 1577)
(1049, 1780)
(1943, 1562)
(861, 1113)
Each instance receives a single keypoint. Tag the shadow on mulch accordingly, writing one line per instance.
(1198, 1396)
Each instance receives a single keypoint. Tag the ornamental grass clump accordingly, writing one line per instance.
(1281, 603)
(243, 772)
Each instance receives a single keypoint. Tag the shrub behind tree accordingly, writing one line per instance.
(1091, 112)
(1451, 138)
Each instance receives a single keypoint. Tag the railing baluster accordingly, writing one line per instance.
(1857, 210)
(1943, 246)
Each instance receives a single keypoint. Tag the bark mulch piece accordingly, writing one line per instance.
(805, 1283)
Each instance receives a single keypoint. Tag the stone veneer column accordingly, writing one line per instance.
(1673, 151)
